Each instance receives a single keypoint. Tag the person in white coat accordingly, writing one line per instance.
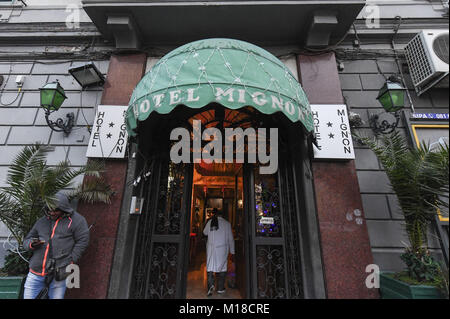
(220, 244)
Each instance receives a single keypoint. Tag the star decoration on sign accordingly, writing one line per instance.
(331, 135)
(109, 135)
(329, 124)
(111, 124)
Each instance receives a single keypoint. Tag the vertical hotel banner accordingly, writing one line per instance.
(332, 132)
(109, 133)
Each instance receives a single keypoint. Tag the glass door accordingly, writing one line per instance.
(159, 270)
(273, 233)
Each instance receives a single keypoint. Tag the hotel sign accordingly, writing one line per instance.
(332, 132)
(109, 133)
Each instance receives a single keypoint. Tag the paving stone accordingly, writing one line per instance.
(57, 155)
(3, 174)
(10, 98)
(77, 155)
(85, 116)
(4, 231)
(8, 154)
(440, 98)
(350, 81)
(387, 233)
(375, 206)
(373, 81)
(51, 67)
(88, 99)
(16, 68)
(360, 66)
(365, 159)
(4, 130)
(76, 137)
(388, 66)
(373, 182)
(388, 259)
(17, 116)
(361, 99)
(25, 135)
(394, 207)
(423, 101)
(31, 98)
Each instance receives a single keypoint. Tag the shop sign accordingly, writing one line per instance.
(109, 133)
(332, 132)
(430, 116)
(267, 220)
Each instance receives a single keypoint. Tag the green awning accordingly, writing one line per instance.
(230, 72)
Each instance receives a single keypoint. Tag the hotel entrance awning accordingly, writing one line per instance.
(232, 73)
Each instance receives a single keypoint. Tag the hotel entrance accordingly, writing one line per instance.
(259, 176)
(264, 211)
(216, 186)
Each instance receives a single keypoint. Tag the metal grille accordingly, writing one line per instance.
(293, 260)
(270, 272)
(143, 248)
(418, 61)
(440, 47)
(168, 217)
(163, 272)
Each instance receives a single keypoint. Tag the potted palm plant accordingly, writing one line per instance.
(420, 179)
(32, 185)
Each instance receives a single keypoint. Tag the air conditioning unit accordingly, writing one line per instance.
(427, 57)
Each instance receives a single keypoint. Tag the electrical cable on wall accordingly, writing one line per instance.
(19, 90)
(396, 29)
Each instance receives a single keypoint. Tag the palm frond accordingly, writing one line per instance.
(32, 185)
(418, 176)
(20, 169)
(93, 190)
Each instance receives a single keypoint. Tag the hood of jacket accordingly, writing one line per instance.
(63, 203)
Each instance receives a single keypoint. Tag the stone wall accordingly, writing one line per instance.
(361, 81)
(23, 121)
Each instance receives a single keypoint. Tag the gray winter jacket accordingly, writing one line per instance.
(70, 237)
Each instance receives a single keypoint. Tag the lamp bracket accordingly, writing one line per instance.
(60, 125)
(384, 127)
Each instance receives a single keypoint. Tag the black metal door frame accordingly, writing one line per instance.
(255, 241)
(293, 179)
(290, 274)
(161, 250)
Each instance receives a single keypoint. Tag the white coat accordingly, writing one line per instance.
(220, 243)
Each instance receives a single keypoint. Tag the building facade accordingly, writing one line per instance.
(330, 218)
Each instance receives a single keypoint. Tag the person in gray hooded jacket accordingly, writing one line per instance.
(68, 232)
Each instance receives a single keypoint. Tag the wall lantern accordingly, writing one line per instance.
(52, 97)
(87, 75)
(392, 98)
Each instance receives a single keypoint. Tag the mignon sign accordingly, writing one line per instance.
(109, 133)
(332, 132)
